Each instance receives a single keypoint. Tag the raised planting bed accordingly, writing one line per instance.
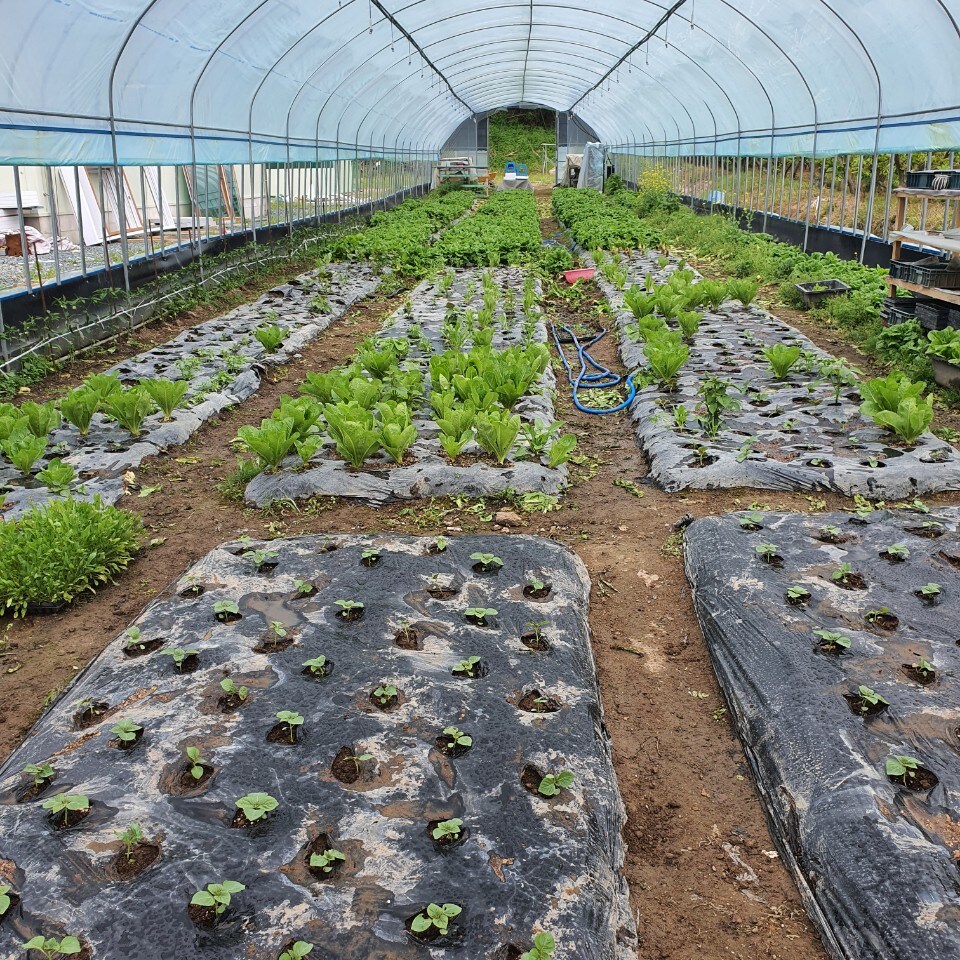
(222, 361)
(418, 726)
(442, 356)
(800, 430)
(837, 652)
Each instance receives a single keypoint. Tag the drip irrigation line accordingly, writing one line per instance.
(603, 378)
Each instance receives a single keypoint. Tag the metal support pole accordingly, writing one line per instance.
(23, 231)
(83, 245)
(54, 226)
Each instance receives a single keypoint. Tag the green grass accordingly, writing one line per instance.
(517, 135)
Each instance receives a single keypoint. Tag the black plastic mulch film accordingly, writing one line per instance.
(528, 863)
(877, 862)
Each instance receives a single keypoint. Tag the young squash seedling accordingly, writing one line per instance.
(134, 642)
(480, 616)
(6, 899)
(797, 595)
(535, 588)
(128, 733)
(296, 951)
(350, 610)
(304, 588)
(844, 576)
(486, 562)
(896, 552)
(543, 946)
(553, 783)
(52, 948)
(751, 522)
(866, 700)
(767, 552)
(327, 861)
(278, 633)
(468, 667)
(385, 694)
(42, 774)
(535, 638)
(447, 830)
(371, 557)
(907, 771)
(182, 658)
(234, 694)
(929, 592)
(67, 804)
(262, 560)
(195, 762)
(89, 711)
(317, 666)
(831, 534)
(923, 672)
(434, 921)
(131, 837)
(439, 545)
(455, 738)
(292, 721)
(217, 896)
(226, 611)
(831, 641)
(257, 806)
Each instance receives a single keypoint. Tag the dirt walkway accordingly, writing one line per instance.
(704, 877)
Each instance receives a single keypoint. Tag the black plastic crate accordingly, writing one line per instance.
(900, 270)
(939, 274)
(933, 180)
(935, 316)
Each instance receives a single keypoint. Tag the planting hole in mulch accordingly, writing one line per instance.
(319, 673)
(431, 934)
(928, 533)
(69, 818)
(188, 664)
(408, 638)
(195, 590)
(90, 714)
(145, 647)
(535, 640)
(861, 707)
(228, 616)
(285, 735)
(350, 616)
(926, 678)
(274, 644)
(141, 857)
(919, 780)
(119, 744)
(533, 701)
(231, 701)
(442, 593)
(385, 701)
(447, 841)
(537, 593)
(882, 620)
(12, 906)
(33, 790)
(205, 917)
(531, 778)
(850, 581)
(473, 671)
(346, 766)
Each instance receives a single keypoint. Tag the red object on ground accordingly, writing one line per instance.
(572, 276)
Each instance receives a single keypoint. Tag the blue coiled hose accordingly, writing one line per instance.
(603, 378)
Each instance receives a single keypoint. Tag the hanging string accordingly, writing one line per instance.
(693, 11)
(370, 28)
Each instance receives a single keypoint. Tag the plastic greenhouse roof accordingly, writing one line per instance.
(172, 81)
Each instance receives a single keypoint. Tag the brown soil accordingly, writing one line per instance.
(531, 778)
(528, 702)
(142, 856)
(861, 707)
(344, 768)
(922, 779)
(408, 639)
(386, 704)
(448, 748)
(924, 677)
(202, 916)
(280, 733)
(684, 779)
(535, 641)
(68, 818)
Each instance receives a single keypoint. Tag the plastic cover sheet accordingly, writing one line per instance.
(251, 80)
(591, 169)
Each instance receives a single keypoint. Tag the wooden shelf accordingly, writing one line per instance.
(922, 238)
(928, 194)
(950, 296)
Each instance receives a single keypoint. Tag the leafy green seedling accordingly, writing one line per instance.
(896, 551)
(316, 665)
(296, 951)
(543, 946)
(457, 737)
(447, 828)
(224, 609)
(270, 336)
(930, 591)
(831, 640)
(52, 948)
(831, 533)
(903, 768)
(133, 639)
(261, 558)
(256, 806)
(66, 803)
(371, 557)
(798, 594)
(435, 917)
(488, 561)
(196, 762)
(480, 615)
(127, 731)
(766, 551)
(57, 475)
(869, 698)
(752, 521)
(217, 895)
(304, 588)
(842, 572)
(553, 783)
(349, 609)
(42, 773)
(180, 656)
(535, 584)
(327, 860)
(6, 901)
(440, 544)
(292, 719)
(130, 838)
(279, 631)
(924, 667)
(358, 759)
(385, 693)
(232, 690)
(469, 666)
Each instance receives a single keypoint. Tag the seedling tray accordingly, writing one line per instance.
(927, 180)
(876, 862)
(816, 291)
(526, 862)
(943, 275)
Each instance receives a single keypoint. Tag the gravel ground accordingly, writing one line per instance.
(11, 268)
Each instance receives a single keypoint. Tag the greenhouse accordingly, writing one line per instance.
(479, 480)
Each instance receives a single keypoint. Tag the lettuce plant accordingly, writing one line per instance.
(23, 450)
(497, 432)
(888, 393)
(40, 418)
(166, 394)
(104, 385)
(910, 420)
(271, 442)
(57, 476)
(79, 406)
(782, 359)
(743, 290)
(129, 408)
(666, 359)
(270, 337)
